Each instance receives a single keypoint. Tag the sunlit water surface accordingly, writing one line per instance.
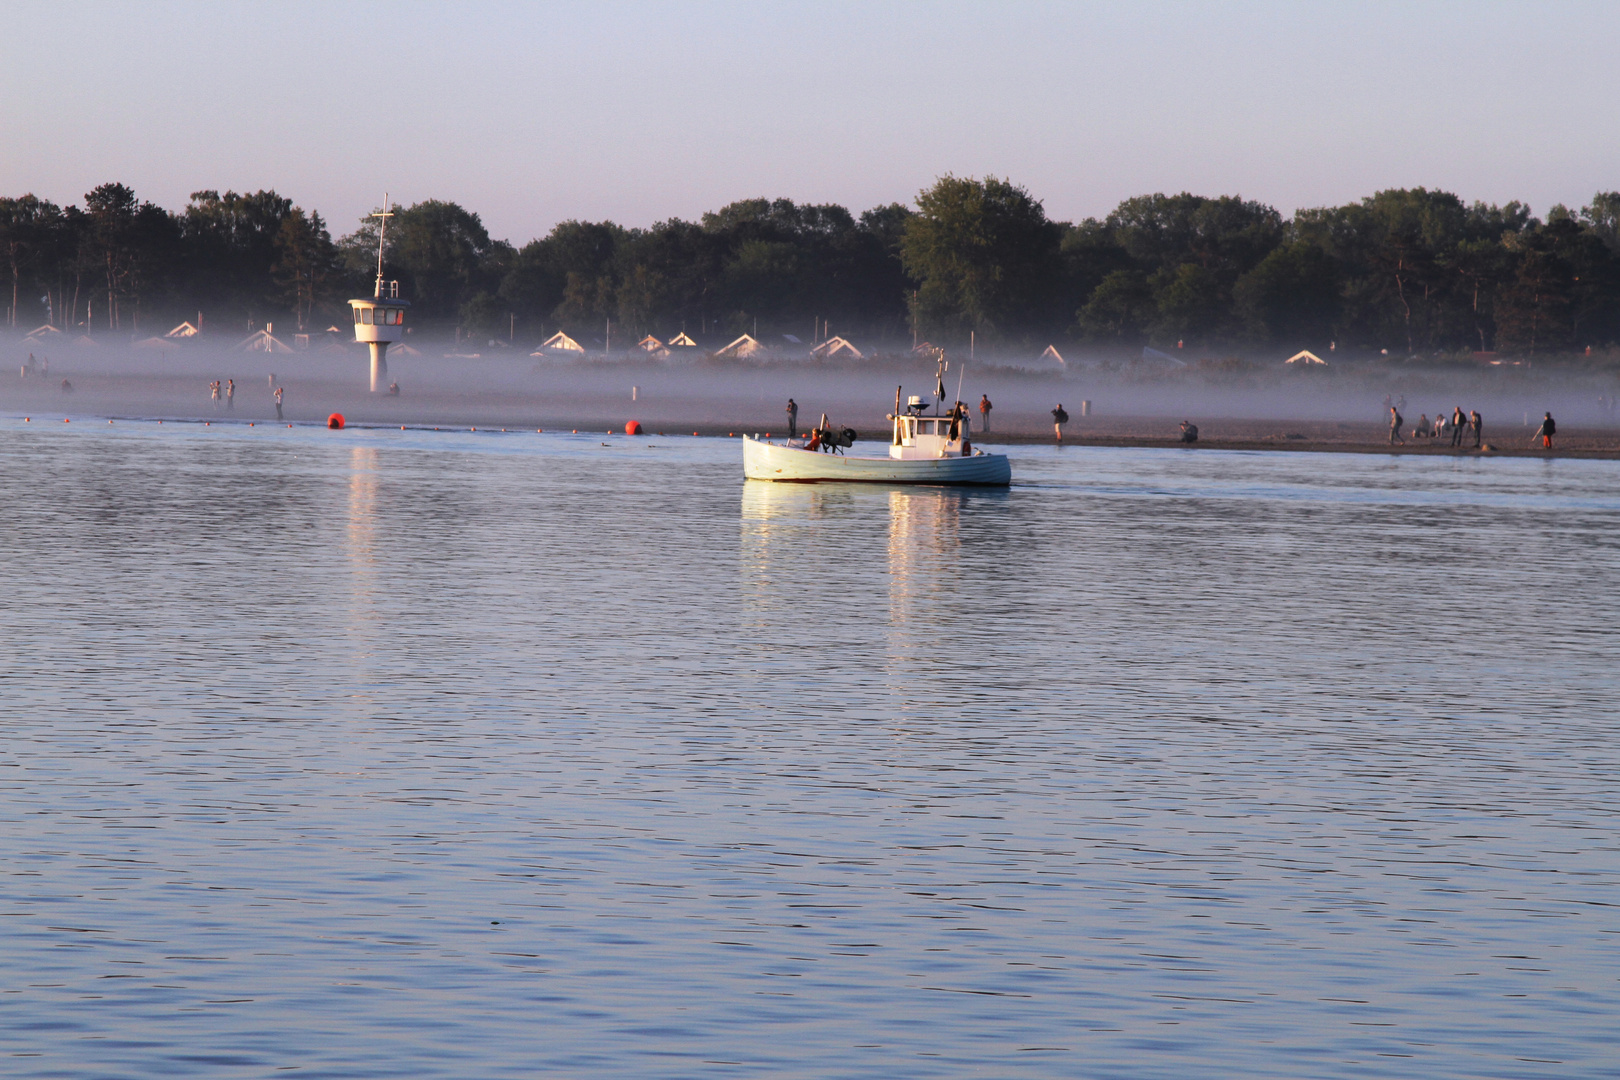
(388, 754)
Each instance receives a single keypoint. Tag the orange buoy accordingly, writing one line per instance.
(694, 433)
(633, 428)
(65, 420)
(335, 421)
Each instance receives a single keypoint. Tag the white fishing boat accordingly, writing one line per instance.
(934, 448)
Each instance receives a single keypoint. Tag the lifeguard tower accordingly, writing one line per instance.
(380, 321)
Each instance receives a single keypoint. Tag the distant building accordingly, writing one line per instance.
(680, 340)
(559, 344)
(741, 349)
(184, 330)
(42, 333)
(1306, 358)
(263, 341)
(652, 347)
(1155, 356)
(836, 348)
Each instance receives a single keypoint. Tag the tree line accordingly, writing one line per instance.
(1411, 271)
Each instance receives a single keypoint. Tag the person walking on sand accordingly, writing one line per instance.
(1547, 430)
(984, 412)
(1059, 418)
(1395, 422)
(1458, 422)
(793, 418)
(1476, 424)
(230, 393)
(279, 390)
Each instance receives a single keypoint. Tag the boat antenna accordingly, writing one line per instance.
(381, 233)
(939, 377)
(961, 370)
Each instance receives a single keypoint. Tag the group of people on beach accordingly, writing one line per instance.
(1456, 426)
(1453, 427)
(228, 388)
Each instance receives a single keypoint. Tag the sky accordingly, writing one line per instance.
(533, 113)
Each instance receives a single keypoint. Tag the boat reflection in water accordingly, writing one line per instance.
(834, 535)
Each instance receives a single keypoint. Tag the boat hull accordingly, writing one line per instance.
(788, 464)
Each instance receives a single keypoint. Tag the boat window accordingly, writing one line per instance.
(357, 316)
(399, 316)
(365, 316)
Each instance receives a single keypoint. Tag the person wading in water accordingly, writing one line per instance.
(278, 401)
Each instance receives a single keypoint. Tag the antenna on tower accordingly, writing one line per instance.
(381, 234)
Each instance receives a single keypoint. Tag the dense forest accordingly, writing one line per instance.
(1414, 272)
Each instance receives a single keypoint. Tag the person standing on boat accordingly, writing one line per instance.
(984, 412)
(793, 418)
(1059, 418)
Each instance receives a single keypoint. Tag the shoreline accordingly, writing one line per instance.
(1581, 440)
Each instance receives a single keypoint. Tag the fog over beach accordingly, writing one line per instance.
(1233, 401)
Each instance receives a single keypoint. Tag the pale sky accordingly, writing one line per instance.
(532, 113)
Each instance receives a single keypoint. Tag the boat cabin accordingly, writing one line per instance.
(917, 437)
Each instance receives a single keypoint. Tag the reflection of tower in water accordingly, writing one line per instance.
(360, 535)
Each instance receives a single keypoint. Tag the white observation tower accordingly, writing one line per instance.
(380, 321)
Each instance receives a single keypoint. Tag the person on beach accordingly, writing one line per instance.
(393, 389)
(1189, 431)
(1059, 418)
(1422, 429)
(1547, 430)
(279, 390)
(1476, 424)
(230, 393)
(213, 390)
(984, 412)
(1395, 421)
(793, 418)
(1458, 422)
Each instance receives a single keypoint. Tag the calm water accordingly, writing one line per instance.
(389, 754)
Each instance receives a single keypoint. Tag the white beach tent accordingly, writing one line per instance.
(559, 344)
(1306, 358)
(263, 341)
(834, 348)
(1161, 357)
(742, 348)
